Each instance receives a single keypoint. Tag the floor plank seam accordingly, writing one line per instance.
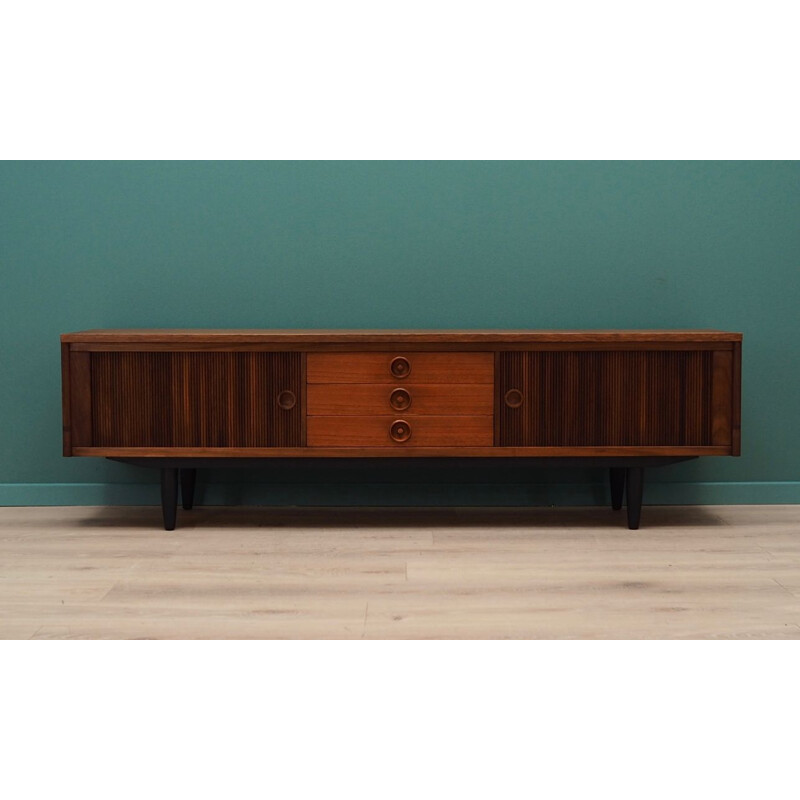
(364, 629)
(788, 591)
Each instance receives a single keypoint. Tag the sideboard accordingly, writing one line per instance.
(180, 400)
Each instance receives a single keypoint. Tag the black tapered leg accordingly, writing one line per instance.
(634, 486)
(169, 497)
(188, 478)
(617, 476)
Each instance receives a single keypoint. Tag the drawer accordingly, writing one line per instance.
(396, 431)
(391, 367)
(390, 398)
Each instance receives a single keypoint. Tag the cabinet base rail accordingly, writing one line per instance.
(626, 476)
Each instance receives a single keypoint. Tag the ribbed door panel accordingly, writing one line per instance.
(225, 399)
(598, 398)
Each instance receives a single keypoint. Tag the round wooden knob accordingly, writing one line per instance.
(514, 398)
(399, 399)
(287, 400)
(400, 367)
(400, 431)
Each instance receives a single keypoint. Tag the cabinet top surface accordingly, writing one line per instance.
(174, 335)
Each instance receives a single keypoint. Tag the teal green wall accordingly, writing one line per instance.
(393, 245)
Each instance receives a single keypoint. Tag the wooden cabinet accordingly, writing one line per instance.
(182, 399)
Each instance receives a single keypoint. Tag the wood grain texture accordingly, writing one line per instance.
(200, 400)
(712, 572)
(462, 368)
(374, 431)
(603, 399)
(306, 337)
(363, 398)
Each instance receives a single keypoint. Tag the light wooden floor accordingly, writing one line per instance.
(691, 572)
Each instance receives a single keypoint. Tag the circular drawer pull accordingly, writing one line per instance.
(514, 398)
(400, 367)
(286, 400)
(400, 431)
(399, 399)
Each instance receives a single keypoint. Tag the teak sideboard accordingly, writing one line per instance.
(183, 399)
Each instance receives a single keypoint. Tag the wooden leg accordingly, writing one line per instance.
(169, 497)
(188, 478)
(634, 487)
(617, 476)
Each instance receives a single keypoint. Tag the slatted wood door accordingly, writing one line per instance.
(196, 399)
(642, 398)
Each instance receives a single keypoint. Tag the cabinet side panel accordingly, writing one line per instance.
(303, 399)
(722, 397)
(65, 390)
(605, 399)
(736, 401)
(196, 399)
(80, 400)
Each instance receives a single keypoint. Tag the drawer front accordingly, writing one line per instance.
(394, 367)
(400, 431)
(365, 398)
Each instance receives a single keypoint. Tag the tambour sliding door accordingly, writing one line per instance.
(196, 399)
(619, 398)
